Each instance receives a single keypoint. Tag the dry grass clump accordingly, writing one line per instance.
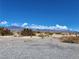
(70, 39)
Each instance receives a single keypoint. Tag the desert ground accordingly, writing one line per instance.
(36, 48)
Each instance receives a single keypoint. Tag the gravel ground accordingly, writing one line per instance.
(36, 48)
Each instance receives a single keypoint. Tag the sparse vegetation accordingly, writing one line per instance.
(70, 39)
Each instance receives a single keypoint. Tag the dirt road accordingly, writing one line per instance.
(48, 48)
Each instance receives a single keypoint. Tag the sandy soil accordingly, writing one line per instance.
(36, 48)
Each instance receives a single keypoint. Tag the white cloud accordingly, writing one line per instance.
(61, 27)
(56, 27)
(24, 24)
(3, 22)
(14, 24)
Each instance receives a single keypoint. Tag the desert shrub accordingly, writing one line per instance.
(38, 32)
(41, 35)
(58, 33)
(70, 39)
(50, 33)
(5, 31)
(27, 32)
(47, 34)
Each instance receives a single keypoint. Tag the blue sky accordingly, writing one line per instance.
(40, 12)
